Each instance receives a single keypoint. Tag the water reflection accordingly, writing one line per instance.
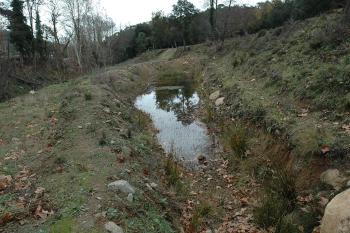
(171, 109)
(181, 101)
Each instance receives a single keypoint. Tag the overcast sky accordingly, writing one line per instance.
(130, 12)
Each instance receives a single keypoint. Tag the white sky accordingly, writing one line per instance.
(130, 12)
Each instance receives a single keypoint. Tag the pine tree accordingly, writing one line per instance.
(39, 40)
(20, 34)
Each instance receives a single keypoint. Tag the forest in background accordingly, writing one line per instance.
(77, 37)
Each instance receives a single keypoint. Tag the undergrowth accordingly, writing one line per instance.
(279, 199)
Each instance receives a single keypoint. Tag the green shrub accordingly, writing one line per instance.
(270, 211)
(278, 201)
(88, 96)
(286, 225)
(330, 86)
(237, 139)
(303, 9)
(331, 34)
(103, 139)
(332, 78)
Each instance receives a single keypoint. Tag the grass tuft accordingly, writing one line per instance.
(201, 211)
(172, 172)
(237, 139)
(278, 201)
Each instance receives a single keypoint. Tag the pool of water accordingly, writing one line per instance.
(179, 132)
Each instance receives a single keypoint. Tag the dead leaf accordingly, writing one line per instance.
(244, 201)
(43, 214)
(346, 128)
(325, 149)
(304, 113)
(60, 169)
(39, 191)
(120, 158)
(5, 181)
(6, 218)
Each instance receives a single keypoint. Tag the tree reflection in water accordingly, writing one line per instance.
(180, 99)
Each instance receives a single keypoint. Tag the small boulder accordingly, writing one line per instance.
(214, 95)
(336, 218)
(333, 177)
(219, 101)
(122, 186)
(113, 228)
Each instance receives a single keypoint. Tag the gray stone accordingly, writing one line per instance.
(130, 197)
(107, 110)
(219, 101)
(113, 228)
(122, 186)
(334, 178)
(214, 95)
(336, 218)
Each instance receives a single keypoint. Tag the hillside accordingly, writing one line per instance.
(276, 103)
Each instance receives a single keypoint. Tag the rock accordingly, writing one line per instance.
(336, 218)
(149, 187)
(130, 197)
(332, 177)
(214, 95)
(122, 186)
(154, 185)
(219, 101)
(107, 110)
(101, 215)
(113, 228)
(348, 184)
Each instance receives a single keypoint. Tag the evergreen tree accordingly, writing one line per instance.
(184, 11)
(20, 34)
(347, 11)
(39, 40)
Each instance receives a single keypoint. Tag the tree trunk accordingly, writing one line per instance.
(347, 11)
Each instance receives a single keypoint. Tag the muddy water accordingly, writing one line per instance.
(172, 111)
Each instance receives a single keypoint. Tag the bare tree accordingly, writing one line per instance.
(77, 9)
(55, 14)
